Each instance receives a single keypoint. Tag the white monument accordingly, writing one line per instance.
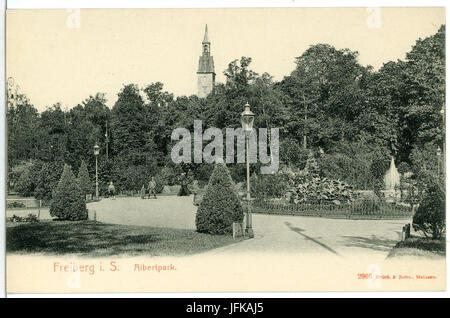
(392, 182)
(392, 177)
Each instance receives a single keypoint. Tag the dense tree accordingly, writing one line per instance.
(87, 125)
(130, 146)
(425, 92)
(156, 113)
(352, 117)
(381, 115)
(22, 130)
(53, 128)
(325, 94)
(239, 76)
(128, 121)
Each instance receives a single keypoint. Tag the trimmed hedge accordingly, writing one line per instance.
(220, 206)
(68, 201)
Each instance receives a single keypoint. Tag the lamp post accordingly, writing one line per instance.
(247, 118)
(96, 153)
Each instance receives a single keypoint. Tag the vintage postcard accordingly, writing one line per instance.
(225, 150)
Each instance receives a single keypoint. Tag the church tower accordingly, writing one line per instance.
(206, 77)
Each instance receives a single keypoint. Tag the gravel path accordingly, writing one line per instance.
(165, 211)
(273, 233)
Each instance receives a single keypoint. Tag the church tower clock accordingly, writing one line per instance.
(206, 76)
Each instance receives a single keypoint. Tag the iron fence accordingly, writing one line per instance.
(353, 210)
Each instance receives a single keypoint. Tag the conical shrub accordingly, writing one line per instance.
(220, 206)
(68, 201)
(83, 179)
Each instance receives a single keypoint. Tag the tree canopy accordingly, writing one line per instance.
(354, 115)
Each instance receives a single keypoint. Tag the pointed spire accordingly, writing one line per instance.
(205, 38)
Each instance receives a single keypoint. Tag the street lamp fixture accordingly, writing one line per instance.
(96, 153)
(247, 119)
(96, 150)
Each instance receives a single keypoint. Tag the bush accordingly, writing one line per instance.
(30, 218)
(26, 176)
(15, 218)
(202, 173)
(47, 180)
(424, 171)
(22, 177)
(15, 204)
(220, 206)
(168, 176)
(269, 186)
(311, 166)
(202, 184)
(403, 167)
(83, 179)
(307, 186)
(68, 201)
(430, 216)
(25, 184)
(130, 171)
(351, 162)
(293, 154)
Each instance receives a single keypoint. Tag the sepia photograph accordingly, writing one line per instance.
(225, 150)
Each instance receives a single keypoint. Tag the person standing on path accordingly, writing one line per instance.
(143, 192)
(112, 190)
(152, 188)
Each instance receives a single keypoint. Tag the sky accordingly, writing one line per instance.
(66, 55)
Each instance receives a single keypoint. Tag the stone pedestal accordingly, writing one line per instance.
(238, 230)
(406, 231)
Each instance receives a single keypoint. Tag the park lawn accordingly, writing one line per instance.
(95, 239)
